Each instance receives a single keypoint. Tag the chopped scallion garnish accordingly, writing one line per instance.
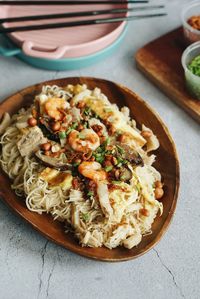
(120, 149)
(116, 182)
(85, 216)
(87, 111)
(76, 164)
(99, 159)
(62, 134)
(108, 168)
(90, 194)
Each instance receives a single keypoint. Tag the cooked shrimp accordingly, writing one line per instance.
(92, 171)
(52, 107)
(85, 140)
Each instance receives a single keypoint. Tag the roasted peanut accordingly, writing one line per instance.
(159, 193)
(32, 122)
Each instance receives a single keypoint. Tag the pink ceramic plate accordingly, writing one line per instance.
(63, 42)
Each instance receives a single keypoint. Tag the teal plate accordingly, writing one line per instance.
(7, 48)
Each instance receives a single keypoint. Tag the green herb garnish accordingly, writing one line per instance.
(85, 217)
(87, 111)
(86, 125)
(107, 142)
(108, 168)
(73, 127)
(194, 66)
(62, 134)
(121, 161)
(116, 182)
(99, 159)
(120, 149)
(76, 164)
(90, 194)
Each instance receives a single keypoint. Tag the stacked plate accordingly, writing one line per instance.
(63, 48)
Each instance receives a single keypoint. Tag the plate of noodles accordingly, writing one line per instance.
(89, 165)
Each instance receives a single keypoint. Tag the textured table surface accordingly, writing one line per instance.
(32, 267)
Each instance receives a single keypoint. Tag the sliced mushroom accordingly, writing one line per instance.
(125, 174)
(130, 154)
(4, 122)
(52, 162)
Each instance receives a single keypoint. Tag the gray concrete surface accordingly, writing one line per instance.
(31, 267)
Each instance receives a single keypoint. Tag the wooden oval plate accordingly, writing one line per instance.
(166, 162)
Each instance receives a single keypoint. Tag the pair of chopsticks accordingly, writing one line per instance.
(63, 2)
(76, 14)
(67, 2)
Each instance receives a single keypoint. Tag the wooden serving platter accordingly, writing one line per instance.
(160, 61)
(166, 163)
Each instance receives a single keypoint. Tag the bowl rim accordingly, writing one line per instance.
(185, 9)
(186, 53)
(168, 219)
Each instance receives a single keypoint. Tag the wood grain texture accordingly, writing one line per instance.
(167, 163)
(160, 61)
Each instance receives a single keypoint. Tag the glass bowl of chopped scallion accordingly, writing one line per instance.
(191, 65)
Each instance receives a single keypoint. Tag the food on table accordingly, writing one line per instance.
(78, 157)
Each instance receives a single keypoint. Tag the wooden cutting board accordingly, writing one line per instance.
(160, 61)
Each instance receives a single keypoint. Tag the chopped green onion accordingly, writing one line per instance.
(100, 149)
(74, 125)
(107, 142)
(116, 182)
(96, 115)
(76, 164)
(90, 194)
(121, 161)
(68, 131)
(100, 159)
(62, 134)
(108, 168)
(87, 111)
(86, 125)
(85, 217)
(120, 149)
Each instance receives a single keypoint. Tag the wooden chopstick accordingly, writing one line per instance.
(78, 23)
(79, 14)
(76, 2)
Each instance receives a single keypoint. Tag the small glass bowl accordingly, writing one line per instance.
(193, 9)
(192, 81)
